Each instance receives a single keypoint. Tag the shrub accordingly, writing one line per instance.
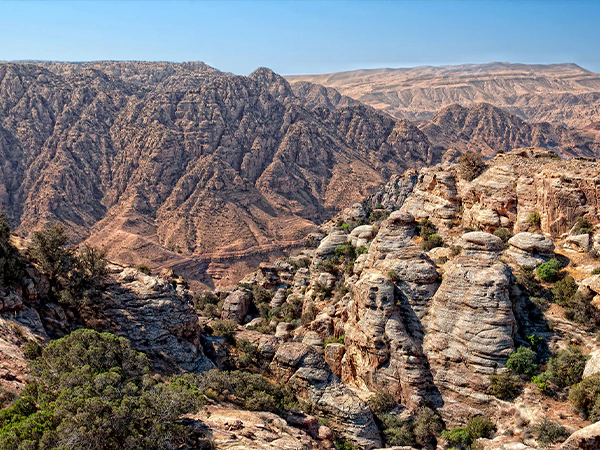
(393, 276)
(540, 382)
(579, 309)
(50, 251)
(12, 264)
(396, 431)
(334, 340)
(503, 233)
(596, 271)
(549, 271)
(563, 290)
(582, 226)
(534, 219)
(470, 166)
(92, 390)
(381, 403)
(426, 228)
(566, 367)
(32, 349)
(528, 282)
(548, 432)
(310, 313)
(585, 397)
(223, 328)
(522, 361)
(477, 427)
(433, 241)
(505, 386)
(427, 426)
(145, 269)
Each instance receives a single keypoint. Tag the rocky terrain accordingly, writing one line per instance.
(555, 93)
(401, 318)
(183, 166)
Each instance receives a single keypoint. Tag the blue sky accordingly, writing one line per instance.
(293, 37)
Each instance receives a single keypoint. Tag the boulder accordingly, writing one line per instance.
(587, 438)
(329, 244)
(527, 249)
(581, 243)
(236, 305)
(592, 366)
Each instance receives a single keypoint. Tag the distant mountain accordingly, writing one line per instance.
(184, 166)
(556, 93)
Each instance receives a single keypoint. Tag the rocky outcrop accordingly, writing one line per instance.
(236, 429)
(235, 306)
(301, 368)
(587, 438)
(529, 249)
(156, 317)
(470, 325)
(383, 333)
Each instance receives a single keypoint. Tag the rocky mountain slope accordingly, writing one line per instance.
(182, 166)
(555, 93)
(402, 317)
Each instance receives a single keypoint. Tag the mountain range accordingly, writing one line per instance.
(183, 166)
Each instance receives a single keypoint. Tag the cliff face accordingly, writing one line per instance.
(168, 164)
(555, 93)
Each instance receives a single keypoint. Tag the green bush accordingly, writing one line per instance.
(397, 432)
(534, 219)
(564, 290)
(579, 309)
(92, 390)
(12, 264)
(566, 367)
(505, 386)
(540, 382)
(427, 426)
(582, 226)
(381, 403)
(528, 282)
(503, 233)
(477, 427)
(145, 269)
(223, 328)
(522, 361)
(549, 271)
(433, 241)
(548, 432)
(334, 340)
(470, 166)
(596, 271)
(585, 397)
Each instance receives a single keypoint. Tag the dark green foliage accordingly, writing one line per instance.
(91, 390)
(465, 437)
(247, 390)
(75, 276)
(563, 290)
(207, 303)
(585, 397)
(534, 219)
(397, 431)
(528, 282)
(433, 241)
(548, 432)
(427, 427)
(470, 166)
(378, 214)
(596, 271)
(223, 328)
(566, 367)
(381, 403)
(579, 309)
(522, 361)
(310, 313)
(393, 276)
(505, 386)
(582, 226)
(32, 349)
(549, 271)
(334, 340)
(12, 264)
(503, 233)
(145, 269)
(292, 309)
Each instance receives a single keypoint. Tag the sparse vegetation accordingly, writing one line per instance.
(582, 226)
(465, 437)
(503, 233)
(505, 386)
(470, 166)
(585, 397)
(564, 290)
(522, 361)
(566, 367)
(428, 232)
(549, 271)
(548, 432)
(145, 269)
(534, 219)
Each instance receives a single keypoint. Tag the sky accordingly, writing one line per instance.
(303, 36)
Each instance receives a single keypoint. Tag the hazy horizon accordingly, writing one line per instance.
(307, 37)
